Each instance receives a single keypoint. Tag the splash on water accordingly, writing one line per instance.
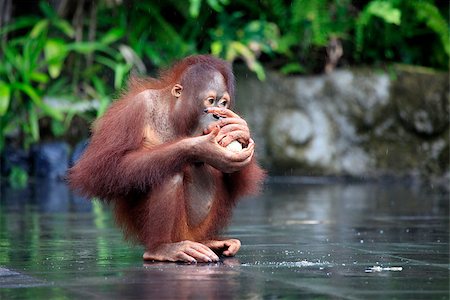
(380, 269)
(291, 264)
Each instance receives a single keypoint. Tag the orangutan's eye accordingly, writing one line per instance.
(209, 101)
(223, 103)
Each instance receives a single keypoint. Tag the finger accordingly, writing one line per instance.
(240, 136)
(221, 111)
(233, 247)
(200, 257)
(202, 248)
(211, 127)
(186, 258)
(236, 166)
(216, 245)
(214, 132)
(251, 145)
(249, 150)
(244, 154)
(224, 122)
(206, 251)
(234, 127)
(242, 164)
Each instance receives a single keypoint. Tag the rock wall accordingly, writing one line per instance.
(356, 122)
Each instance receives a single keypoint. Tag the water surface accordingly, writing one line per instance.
(300, 240)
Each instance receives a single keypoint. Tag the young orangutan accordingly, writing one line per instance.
(159, 156)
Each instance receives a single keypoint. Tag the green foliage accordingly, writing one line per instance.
(44, 73)
(412, 32)
(306, 27)
(18, 177)
(231, 40)
(23, 77)
(35, 66)
(377, 8)
(291, 34)
(429, 14)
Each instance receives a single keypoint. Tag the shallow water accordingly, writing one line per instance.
(300, 240)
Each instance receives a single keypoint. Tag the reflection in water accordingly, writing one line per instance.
(184, 281)
(46, 196)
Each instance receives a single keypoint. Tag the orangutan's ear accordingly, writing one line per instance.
(176, 90)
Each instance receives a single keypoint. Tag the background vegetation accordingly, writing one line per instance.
(62, 60)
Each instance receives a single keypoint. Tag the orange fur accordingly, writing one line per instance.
(136, 162)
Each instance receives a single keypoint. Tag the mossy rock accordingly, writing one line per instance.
(421, 98)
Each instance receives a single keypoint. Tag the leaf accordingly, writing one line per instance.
(153, 55)
(34, 125)
(57, 86)
(48, 11)
(431, 16)
(216, 48)
(55, 52)
(104, 102)
(214, 4)
(292, 68)
(119, 75)
(259, 70)
(105, 61)
(65, 27)
(29, 91)
(172, 35)
(39, 28)
(52, 112)
(194, 8)
(36, 47)
(379, 8)
(19, 24)
(5, 97)
(39, 77)
(112, 35)
(237, 48)
(385, 11)
(57, 127)
(84, 47)
(37, 100)
(13, 57)
(99, 85)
